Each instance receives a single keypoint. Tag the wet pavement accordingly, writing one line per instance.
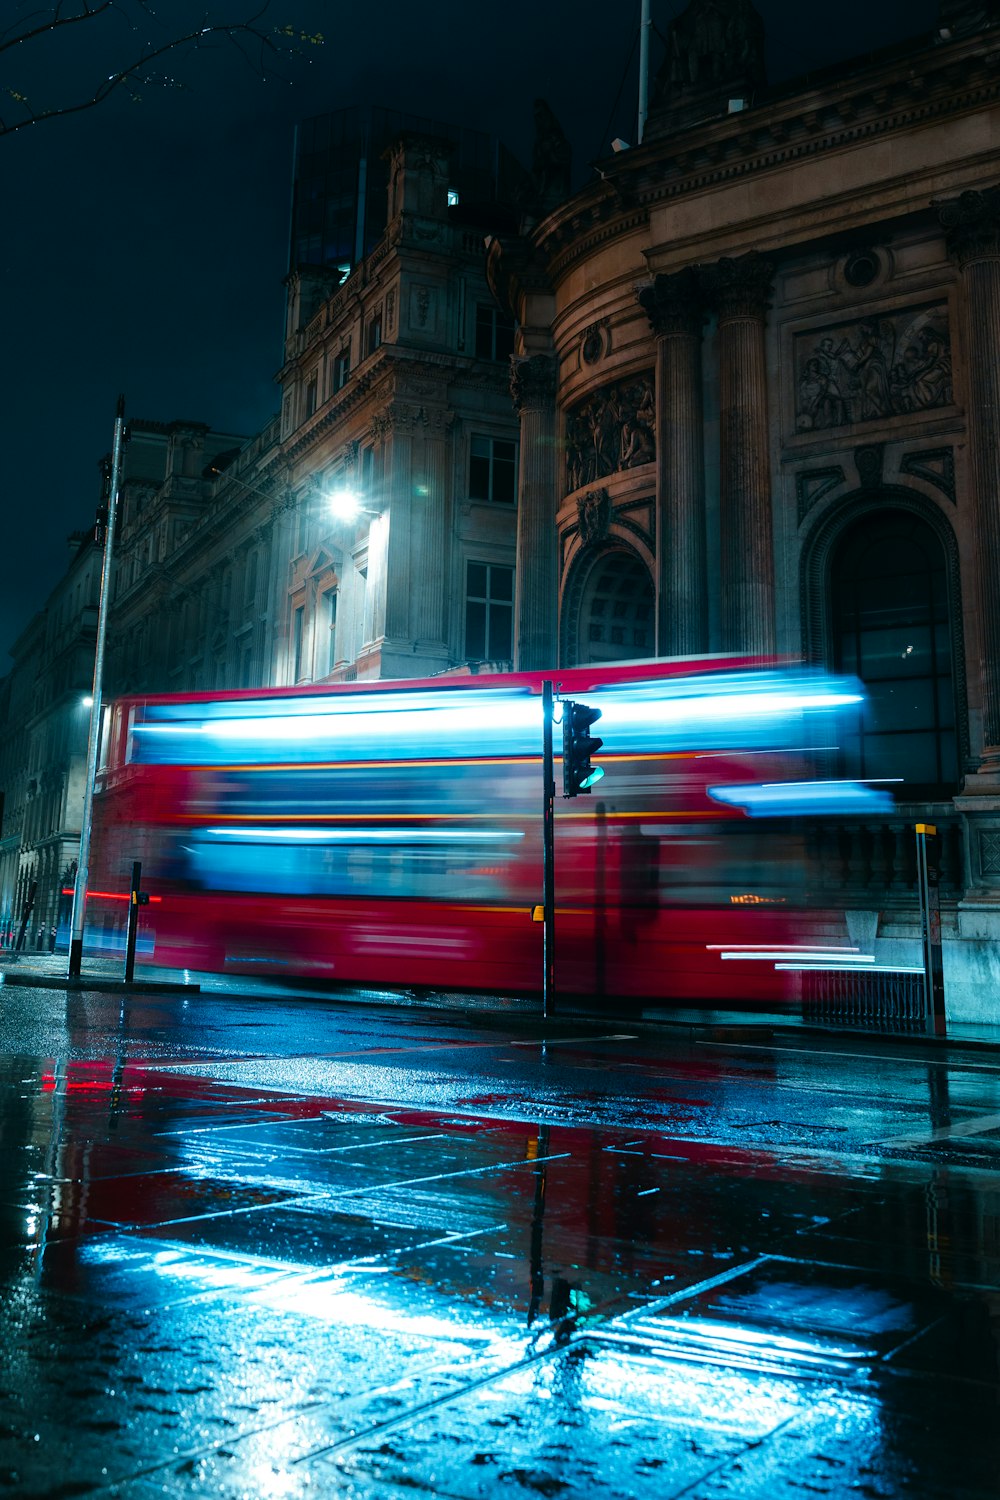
(256, 1248)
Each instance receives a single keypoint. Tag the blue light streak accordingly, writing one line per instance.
(724, 712)
(784, 798)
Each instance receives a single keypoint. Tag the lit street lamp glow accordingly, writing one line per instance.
(345, 503)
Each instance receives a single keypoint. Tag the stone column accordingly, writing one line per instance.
(429, 538)
(972, 223)
(740, 291)
(536, 588)
(673, 305)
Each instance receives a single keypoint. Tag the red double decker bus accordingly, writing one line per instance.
(389, 833)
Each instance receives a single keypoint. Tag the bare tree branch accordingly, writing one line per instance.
(273, 41)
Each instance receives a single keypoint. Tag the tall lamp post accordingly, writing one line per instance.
(94, 740)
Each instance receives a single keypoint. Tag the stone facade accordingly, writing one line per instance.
(803, 283)
(394, 387)
(44, 714)
(232, 571)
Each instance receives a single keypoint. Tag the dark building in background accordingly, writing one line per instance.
(339, 203)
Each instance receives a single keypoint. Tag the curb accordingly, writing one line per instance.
(28, 980)
(737, 1030)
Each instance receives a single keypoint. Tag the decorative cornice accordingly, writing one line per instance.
(673, 304)
(532, 382)
(738, 287)
(972, 226)
(891, 99)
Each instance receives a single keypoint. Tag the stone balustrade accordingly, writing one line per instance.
(873, 863)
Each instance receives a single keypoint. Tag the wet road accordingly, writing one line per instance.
(255, 1249)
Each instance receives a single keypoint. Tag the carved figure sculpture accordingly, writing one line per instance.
(880, 368)
(713, 42)
(613, 429)
(550, 159)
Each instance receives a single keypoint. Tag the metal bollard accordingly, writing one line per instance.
(929, 890)
(136, 899)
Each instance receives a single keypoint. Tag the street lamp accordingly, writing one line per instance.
(344, 503)
(79, 911)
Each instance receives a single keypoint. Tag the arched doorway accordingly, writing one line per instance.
(616, 611)
(890, 626)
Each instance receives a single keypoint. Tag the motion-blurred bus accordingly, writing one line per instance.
(389, 833)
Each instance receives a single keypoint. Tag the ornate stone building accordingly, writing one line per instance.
(394, 389)
(44, 714)
(757, 377)
(231, 568)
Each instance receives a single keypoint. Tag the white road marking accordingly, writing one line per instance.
(978, 1126)
(921, 1062)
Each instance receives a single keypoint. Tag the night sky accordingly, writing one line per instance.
(145, 242)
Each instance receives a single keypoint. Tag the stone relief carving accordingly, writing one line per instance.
(421, 306)
(877, 367)
(989, 853)
(935, 466)
(813, 484)
(594, 513)
(869, 461)
(613, 429)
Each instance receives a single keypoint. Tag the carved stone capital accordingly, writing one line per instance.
(532, 382)
(739, 287)
(972, 225)
(398, 416)
(673, 304)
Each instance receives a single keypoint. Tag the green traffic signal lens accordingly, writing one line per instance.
(595, 775)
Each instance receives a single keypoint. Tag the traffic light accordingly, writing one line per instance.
(578, 746)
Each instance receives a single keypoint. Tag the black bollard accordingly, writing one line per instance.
(136, 899)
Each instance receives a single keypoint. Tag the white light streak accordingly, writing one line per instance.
(366, 835)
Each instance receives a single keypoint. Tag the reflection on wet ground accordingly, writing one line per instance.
(243, 1288)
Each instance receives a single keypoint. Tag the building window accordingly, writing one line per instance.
(373, 334)
(489, 612)
(312, 390)
(492, 470)
(328, 631)
(341, 368)
(616, 615)
(298, 631)
(494, 333)
(889, 594)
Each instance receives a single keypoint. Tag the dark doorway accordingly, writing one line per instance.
(889, 608)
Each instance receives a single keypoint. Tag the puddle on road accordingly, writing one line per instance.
(240, 1290)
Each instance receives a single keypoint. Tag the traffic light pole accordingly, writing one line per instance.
(548, 855)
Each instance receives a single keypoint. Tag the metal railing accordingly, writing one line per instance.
(885, 1001)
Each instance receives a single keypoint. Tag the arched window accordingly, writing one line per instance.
(889, 609)
(616, 611)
